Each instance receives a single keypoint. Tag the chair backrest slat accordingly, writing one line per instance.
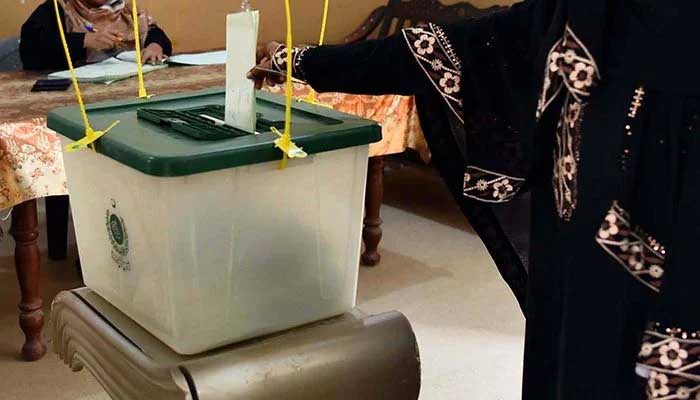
(415, 12)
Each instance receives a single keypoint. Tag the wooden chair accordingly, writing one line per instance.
(382, 22)
(9, 55)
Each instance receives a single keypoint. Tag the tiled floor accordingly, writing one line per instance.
(434, 270)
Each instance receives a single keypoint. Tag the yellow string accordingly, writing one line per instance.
(90, 134)
(312, 94)
(284, 142)
(143, 94)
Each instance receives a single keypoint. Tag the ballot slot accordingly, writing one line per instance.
(202, 123)
(207, 122)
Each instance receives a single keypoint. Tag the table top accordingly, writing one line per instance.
(19, 103)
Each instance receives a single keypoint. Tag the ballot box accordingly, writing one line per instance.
(191, 228)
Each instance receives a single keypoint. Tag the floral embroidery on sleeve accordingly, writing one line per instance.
(490, 187)
(438, 60)
(640, 254)
(670, 361)
(279, 61)
(570, 68)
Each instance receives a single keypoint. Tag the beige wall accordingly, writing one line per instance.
(199, 24)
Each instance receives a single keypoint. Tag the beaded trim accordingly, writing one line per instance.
(299, 63)
(640, 254)
(279, 60)
(447, 45)
(635, 106)
(437, 58)
(490, 187)
(670, 360)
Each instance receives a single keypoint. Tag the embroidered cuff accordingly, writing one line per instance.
(490, 187)
(640, 254)
(279, 61)
(670, 360)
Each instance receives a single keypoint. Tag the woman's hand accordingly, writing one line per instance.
(264, 71)
(153, 54)
(107, 39)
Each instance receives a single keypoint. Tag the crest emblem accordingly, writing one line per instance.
(118, 237)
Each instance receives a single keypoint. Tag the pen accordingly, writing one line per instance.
(90, 28)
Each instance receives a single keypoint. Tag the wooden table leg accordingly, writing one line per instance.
(28, 263)
(372, 232)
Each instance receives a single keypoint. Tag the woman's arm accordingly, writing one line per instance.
(368, 67)
(40, 46)
(391, 65)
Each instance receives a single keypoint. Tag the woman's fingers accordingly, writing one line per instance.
(264, 72)
(272, 48)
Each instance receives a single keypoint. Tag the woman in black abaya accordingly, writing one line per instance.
(592, 106)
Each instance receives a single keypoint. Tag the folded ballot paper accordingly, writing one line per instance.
(107, 71)
(241, 42)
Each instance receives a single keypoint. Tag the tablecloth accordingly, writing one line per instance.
(31, 163)
(397, 114)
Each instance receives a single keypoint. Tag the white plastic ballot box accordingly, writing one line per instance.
(190, 228)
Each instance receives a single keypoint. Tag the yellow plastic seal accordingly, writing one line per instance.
(90, 134)
(284, 143)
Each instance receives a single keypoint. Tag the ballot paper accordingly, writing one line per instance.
(241, 42)
(107, 71)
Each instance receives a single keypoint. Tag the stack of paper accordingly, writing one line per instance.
(208, 58)
(107, 71)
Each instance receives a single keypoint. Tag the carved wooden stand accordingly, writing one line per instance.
(28, 263)
(372, 232)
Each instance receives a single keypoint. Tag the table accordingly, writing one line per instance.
(31, 163)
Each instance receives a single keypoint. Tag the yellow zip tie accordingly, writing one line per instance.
(312, 94)
(143, 94)
(284, 142)
(87, 141)
(290, 149)
(90, 134)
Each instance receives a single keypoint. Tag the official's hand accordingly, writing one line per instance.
(107, 39)
(153, 54)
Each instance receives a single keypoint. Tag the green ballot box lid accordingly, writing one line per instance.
(184, 134)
